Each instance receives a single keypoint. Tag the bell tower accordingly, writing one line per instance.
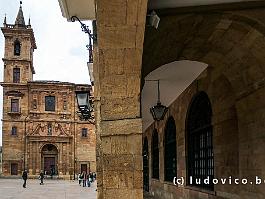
(19, 46)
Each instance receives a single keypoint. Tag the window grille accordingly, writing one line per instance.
(200, 144)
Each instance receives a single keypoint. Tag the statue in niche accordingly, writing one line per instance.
(34, 104)
(49, 129)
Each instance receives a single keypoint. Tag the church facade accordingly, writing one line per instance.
(40, 127)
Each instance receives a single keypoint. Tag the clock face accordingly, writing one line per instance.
(49, 103)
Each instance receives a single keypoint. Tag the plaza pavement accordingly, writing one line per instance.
(52, 189)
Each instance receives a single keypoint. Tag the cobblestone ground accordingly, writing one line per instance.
(52, 189)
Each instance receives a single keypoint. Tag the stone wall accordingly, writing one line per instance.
(232, 44)
(33, 120)
(234, 154)
(117, 68)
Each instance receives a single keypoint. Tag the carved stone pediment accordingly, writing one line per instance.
(43, 129)
(14, 93)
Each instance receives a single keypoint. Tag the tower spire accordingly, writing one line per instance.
(4, 21)
(29, 22)
(20, 22)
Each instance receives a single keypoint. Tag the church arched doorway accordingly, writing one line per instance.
(49, 156)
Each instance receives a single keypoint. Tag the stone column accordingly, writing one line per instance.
(117, 73)
(38, 158)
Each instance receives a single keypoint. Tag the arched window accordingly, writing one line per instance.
(200, 146)
(170, 150)
(17, 47)
(155, 155)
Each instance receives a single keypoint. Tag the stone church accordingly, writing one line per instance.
(41, 128)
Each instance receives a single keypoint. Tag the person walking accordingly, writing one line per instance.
(25, 177)
(79, 179)
(88, 179)
(41, 177)
(84, 178)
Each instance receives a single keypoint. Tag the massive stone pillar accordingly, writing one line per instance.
(117, 71)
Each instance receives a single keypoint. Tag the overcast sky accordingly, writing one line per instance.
(61, 52)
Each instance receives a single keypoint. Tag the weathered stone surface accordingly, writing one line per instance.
(234, 83)
(119, 107)
(37, 127)
(120, 127)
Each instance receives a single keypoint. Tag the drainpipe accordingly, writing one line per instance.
(74, 135)
(25, 134)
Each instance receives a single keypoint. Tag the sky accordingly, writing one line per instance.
(61, 52)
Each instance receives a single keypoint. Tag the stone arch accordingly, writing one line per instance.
(225, 131)
(44, 144)
(49, 159)
(223, 40)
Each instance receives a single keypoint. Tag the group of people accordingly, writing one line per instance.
(25, 177)
(83, 178)
(86, 178)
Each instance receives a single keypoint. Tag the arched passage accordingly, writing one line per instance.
(49, 156)
(221, 40)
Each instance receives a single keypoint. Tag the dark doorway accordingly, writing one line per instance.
(83, 168)
(145, 165)
(49, 161)
(14, 169)
(49, 165)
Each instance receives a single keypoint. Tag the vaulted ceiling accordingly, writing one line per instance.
(160, 4)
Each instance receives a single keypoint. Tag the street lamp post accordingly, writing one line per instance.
(91, 36)
(85, 106)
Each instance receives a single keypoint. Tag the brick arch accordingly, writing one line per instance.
(222, 40)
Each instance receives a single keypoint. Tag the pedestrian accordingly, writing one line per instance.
(25, 177)
(41, 177)
(88, 179)
(79, 178)
(84, 178)
(91, 177)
